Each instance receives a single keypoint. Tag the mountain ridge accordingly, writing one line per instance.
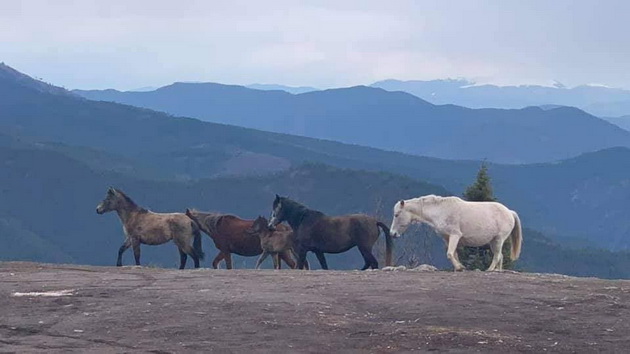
(597, 100)
(395, 121)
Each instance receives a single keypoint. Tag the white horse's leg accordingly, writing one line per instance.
(453, 240)
(456, 254)
(496, 246)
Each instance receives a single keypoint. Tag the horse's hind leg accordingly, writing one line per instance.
(368, 257)
(136, 251)
(217, 260)
(286, 257)
(122, 250)
(182, 259)
(496, 246)
(228, 260)
(322, 260)
(189, 250)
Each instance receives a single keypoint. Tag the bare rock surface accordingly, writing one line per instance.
(61, 308)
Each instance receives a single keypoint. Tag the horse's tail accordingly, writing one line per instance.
(389, 243)
(197, 242)
(516, 237)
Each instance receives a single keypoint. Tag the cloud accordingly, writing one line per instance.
(127, 44)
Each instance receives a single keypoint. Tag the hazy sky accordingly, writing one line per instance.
(129, 44)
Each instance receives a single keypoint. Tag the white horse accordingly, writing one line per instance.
(462, 223)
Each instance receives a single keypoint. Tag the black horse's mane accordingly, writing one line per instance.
(297, 212)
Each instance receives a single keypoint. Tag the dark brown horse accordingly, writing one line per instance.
(273, 242)
(142, 226)
(231, 234)
(318, 233)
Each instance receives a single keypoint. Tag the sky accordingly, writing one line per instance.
(130, 44)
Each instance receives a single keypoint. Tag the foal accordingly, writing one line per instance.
(273, 242)
(142, 226)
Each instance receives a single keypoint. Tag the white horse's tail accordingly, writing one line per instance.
(516, 237)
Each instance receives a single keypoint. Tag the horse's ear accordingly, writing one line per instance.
(111, 190)
(402, 203)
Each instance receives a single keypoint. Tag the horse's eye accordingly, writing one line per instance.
(396, 215)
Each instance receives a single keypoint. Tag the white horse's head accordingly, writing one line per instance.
(402, 219)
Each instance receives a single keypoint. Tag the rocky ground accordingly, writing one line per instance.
(48, 308)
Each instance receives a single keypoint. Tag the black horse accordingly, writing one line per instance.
(318, 233)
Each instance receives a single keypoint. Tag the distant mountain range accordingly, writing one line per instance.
(394, 121)
(597, 100)
(289, 89)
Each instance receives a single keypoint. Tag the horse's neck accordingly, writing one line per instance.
(298, 215)
(127, 213)
(295, 222)
(424, 213)
(433, 214)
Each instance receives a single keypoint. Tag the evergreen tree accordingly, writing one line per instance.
(481, 190)
(481, 257)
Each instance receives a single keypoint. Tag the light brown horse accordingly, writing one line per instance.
(231, 234)
(273, 243)
(142, 226)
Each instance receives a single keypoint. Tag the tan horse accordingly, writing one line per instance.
(142, 226)
(273, 243)
(231, 234)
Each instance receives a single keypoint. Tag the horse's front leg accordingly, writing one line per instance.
(276, 261)
(451, 252)
(122, 250)
(228, 260)
(262, 257)
(322, 260)
(136, 251)
(301, 258)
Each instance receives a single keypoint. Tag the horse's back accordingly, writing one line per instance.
(157, 228)
(484, 219)
(235, 231)
(487, 209)
(336, 234)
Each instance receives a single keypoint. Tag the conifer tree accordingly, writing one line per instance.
(481, 257)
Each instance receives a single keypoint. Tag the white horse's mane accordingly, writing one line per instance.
(434, 199)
